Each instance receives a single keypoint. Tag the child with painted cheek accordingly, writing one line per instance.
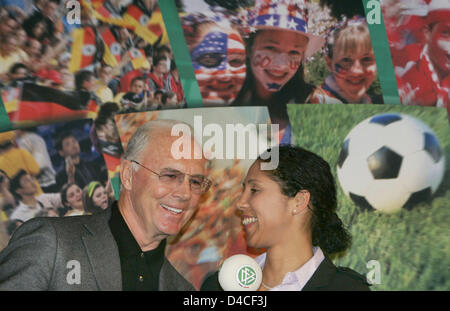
(275, 58)
(351, 62)
(277, 44)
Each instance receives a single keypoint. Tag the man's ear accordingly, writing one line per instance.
(301, 201)
(126, 174)
(61, 153)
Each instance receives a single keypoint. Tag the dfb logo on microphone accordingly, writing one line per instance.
(246, 276)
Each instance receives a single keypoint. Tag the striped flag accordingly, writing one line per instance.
(11, 98)
(112, 164)
(96, 3)
(83, 48)
(112, 55)
(100, 12)
(220, 82)
(137, 57)
(138, 20)
(38, 103)
(156, 26)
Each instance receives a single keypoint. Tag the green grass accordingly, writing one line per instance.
(412, 247)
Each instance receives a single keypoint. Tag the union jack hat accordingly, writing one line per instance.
(438, 11)
(290, 15)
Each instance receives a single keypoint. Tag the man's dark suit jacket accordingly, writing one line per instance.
(50, 253)
(327, 277)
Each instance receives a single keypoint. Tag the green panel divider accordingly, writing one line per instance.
(5, 123)
(382, 52)
(115, 182)
(181, 53)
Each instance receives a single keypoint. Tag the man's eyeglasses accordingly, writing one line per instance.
(172, 178)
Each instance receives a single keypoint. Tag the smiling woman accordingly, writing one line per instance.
(290, 212)
(277, 44)
(351, 60)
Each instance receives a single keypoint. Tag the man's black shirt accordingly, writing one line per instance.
(140, 270)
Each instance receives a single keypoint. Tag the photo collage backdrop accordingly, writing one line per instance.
(101, 68)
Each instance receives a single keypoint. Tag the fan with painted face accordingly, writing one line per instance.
(218, 56)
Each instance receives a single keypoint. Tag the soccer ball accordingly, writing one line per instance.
(390, 161)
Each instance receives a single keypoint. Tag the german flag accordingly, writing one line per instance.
(84, 48)
(96, 3)
(10, 97)
(136, 19)
(113, 165)
(137, 57)
(156, 26)
(113, 50)
(100, 12)
(39, 103)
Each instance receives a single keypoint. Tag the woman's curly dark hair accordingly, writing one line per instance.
(299, 169)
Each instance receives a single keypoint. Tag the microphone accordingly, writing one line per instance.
(240, 273)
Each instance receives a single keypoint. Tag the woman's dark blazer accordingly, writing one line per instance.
(327, 277)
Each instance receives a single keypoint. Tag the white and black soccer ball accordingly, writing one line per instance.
(390, 161)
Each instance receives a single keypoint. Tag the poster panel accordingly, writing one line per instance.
(232, 138)
(391, 166)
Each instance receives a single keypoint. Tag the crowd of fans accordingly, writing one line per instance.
(33, 185)
(36, 46)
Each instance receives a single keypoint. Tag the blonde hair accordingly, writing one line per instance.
(350, 39)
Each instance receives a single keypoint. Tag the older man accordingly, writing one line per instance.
(123, 247)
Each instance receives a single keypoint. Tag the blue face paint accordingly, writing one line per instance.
(211, 52)
(273, 86)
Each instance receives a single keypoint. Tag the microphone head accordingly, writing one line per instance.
(240, 273)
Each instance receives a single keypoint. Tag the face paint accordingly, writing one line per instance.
(340, 71)
(276, 56)
(219, 64)
(439, 47)
(444, 45)
(354, 74)
(273, 86)
(278, 67)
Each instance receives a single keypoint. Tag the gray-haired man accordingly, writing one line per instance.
(123, 247)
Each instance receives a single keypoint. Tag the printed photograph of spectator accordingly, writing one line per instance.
(169, 100)
(43, 170)
(284, 55)
(420, 48)
(96, 197)
(7, 200)
(23, 186)
(101, 56)
(217, 52)
(352, 66)
(75, 169)
(71, 198)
